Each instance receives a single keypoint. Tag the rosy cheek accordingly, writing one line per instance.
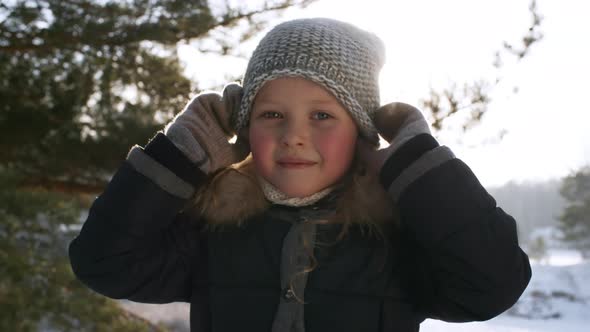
(337, 148)
(261, 144)
(257, 138)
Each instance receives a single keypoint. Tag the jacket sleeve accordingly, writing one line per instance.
(136, 244)
(466, 260)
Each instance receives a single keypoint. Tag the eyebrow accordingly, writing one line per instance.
(323, 101)
(267, 101)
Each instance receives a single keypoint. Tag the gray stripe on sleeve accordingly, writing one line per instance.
(161, 176)
(428, 161)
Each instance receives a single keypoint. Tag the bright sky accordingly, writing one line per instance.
(434, 43)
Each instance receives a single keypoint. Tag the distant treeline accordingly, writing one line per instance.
(532, 204)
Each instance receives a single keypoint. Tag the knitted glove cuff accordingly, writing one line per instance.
(184, 140)
(413, 125)
(410, 151)
(162, 149)
(399, 122)
(160, 175)
(198, 145)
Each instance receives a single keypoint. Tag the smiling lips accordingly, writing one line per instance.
(295, 163)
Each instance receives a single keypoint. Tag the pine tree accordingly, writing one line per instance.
(537, 249)
(81, 81)
(575, 219)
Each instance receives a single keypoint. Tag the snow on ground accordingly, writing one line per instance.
(174, 315)
(556, 300)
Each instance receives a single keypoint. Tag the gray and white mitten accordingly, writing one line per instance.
(203, 128)
(398, 123)
(412, 150)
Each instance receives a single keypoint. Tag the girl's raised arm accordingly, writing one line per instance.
(463, 249)
(137, 243)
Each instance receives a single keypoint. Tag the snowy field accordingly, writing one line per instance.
(557, 300)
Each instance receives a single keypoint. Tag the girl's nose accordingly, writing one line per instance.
(295, 133)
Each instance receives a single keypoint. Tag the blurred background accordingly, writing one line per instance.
(503, 83)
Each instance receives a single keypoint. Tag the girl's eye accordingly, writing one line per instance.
(271, 115)
(321, 116)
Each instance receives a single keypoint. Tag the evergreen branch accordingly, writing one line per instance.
(66, 187)
(129, 34)
(476, 92)
(230, 20)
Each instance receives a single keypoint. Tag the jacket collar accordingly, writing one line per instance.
(233, 195)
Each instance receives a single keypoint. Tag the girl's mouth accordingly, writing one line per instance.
(295, 163)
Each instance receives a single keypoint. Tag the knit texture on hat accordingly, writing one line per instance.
(339, 56)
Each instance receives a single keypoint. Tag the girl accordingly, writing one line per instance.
(302, 224)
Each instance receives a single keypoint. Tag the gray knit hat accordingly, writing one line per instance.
(339, 56)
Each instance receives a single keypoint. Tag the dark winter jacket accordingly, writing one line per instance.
(454, 256)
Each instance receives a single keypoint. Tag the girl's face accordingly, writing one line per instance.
(302, 139)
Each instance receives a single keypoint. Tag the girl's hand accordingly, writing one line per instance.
(397, 123)
(202, 129)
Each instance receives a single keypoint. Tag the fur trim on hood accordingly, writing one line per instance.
(233, 195)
